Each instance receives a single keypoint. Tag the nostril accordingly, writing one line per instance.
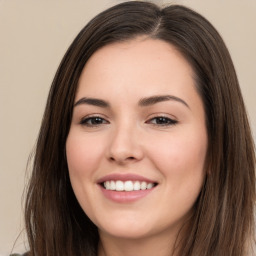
(123, 150)
(113, 159)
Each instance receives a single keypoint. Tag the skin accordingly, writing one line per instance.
(130, 138)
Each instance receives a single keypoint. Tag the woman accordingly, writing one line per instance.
(145, 147)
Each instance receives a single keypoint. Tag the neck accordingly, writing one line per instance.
(160, 245)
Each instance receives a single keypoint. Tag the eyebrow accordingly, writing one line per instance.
(144, 102)
(93, 101)
(160, 98)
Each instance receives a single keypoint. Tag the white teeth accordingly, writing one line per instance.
(112, 185)
(119, 185)
(143, 185)
(136, 185)
(150, 185)
(127, 185)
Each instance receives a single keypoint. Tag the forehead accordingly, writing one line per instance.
(137, 51)
(138, 63)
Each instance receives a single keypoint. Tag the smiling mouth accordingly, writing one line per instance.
(118, 185)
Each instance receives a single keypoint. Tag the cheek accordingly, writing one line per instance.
(181, 156)
(83, 161)
(82, 156)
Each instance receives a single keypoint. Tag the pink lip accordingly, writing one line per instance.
(124, 177)
(124, 196)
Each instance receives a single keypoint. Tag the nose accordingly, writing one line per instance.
(125, 146)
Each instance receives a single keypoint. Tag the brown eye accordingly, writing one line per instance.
(93, 121)
(162, 121)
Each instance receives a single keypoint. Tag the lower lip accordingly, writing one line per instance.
(125, 196)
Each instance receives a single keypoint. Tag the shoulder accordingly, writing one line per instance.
(17, 254)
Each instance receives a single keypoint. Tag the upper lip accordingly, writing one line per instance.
(124, 177)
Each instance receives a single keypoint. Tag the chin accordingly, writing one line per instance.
(126, 230)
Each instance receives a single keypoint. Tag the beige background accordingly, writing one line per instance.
(33, 38)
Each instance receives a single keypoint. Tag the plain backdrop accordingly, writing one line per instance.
(34, 36)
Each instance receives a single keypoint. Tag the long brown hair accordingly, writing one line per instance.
(222, 223)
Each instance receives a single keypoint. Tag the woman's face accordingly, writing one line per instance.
(137, 142)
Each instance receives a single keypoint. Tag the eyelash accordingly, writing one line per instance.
(88, 121)
(164, 121)
(157, 121)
